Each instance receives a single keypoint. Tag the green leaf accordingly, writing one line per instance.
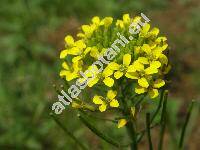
(108, 139)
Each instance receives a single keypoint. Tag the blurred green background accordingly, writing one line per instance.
(31, 37)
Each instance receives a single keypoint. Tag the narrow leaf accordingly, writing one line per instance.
(68, 132)
(185, 125)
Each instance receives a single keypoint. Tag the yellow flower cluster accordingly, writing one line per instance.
(142, 60)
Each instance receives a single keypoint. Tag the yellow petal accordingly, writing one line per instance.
(153, 67)
(71, 76)
(65, 66)
(107, 21)
(80, 35)
(143, 82)
(69, 40)
(86, 28)
(145, 28)
(118, 74)
(94, 52)
(127, 59)
(96, 20)
(111, 94)
(155, 64)
(107, 72)
(64, 73)
(120, 23)
(136, 19)
(132, 75)
(77, 66)
(163, 59)
(140, 90)
(126, 18)
(146, 48)
(161, 39)
(102, 108)
(80, 44)
(114, 103)
(87, 50)
(154, 31)
(108, 81)
(74, 51)
(164, 46)
(97, 100)
(114, 66)
(143, 60)
(63, 54)
(153, 93)
(151, 70)
(92, 82)
(159, 83)
(121, 123)
(131, 68)
(138, 66)
(76, 59)
(157, 52)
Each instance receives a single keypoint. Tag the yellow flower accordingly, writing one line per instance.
(69, 40)
(161, 42)
(107, 21)
(104, 76)
(146, 32)
(81, 54)
(95, 53)
(142, 59)
(121, 123)
(76, 49)
(154, 54)
(121, 69)
(103, 102)
(87, 30)
(153, 90)
(142, 74)
(126, 19)
(96, 21)
(120, 23)
(71, 73)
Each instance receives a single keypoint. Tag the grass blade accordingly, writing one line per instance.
(163, 120)
(148, 124)
(68, 132)
(97, 132)
(185, 125)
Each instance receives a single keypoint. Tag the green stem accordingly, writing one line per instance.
(148, 124)
(130, 125)
(87, 123)
(68, 132)
(159, 105)
(131, 131)
(163, 121)
(185, 125)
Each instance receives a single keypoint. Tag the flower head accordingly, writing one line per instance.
(141, 61)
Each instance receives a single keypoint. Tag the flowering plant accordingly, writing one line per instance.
(132, 73)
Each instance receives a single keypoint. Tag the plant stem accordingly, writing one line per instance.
(130, 125)
(163, 121)
(87, 123)
(185, 125)
(132, 134)
(159, 105)
(68, 132)
(148, 131)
